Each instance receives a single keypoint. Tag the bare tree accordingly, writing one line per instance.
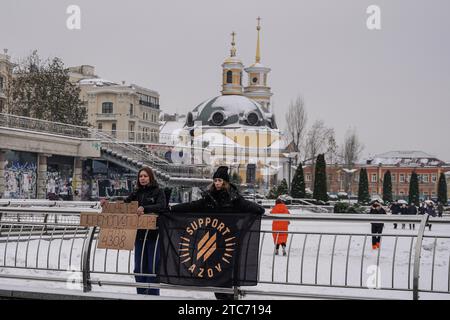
(317, 141)
(296, 119)
(351, 150)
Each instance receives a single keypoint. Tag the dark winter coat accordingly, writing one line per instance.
(422, 210)
(375, 211)
(431, 211)
(404, 210)
(153, 200)
(412, 210)
(395, 208)
(220, 201)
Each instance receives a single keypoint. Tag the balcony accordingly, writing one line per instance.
(149, 104)
(107, 116)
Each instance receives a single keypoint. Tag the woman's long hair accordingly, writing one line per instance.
(152, 179)
(226, 186)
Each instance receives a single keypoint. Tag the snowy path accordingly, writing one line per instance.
(305, 264)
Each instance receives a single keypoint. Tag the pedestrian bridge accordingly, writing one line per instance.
(44, 253)
(51, 138)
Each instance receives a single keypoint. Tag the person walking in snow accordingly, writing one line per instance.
(412, 210)
(431, 211)
(440, 209)
(395, 209)
(377, 228)
(280, 227)
(403, 212)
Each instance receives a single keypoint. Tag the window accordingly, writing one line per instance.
(402, 178)
(308, 177)
(229, 77)
(426, 178)
(433, 178)
(107, 107)
(113, 129)
(1, 83)
(131, 109)
(100, 126)
(394, 177)
(409, 178)
(374, 177)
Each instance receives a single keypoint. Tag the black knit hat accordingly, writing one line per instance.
(222, 173)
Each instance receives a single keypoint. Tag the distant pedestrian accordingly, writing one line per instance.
(440, 209)
(377, 228)
(395, 209)
(412, 210)
(280, 238)
(403, 212)
(431, 211)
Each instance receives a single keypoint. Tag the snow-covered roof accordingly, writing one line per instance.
(235, 109)
(97, 82)
(405, 158)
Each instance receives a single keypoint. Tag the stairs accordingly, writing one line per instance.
(134, 158)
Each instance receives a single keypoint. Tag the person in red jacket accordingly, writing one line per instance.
(280, 225)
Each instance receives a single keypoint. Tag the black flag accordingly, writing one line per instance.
(214, 250)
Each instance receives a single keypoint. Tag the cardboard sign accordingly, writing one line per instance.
(118, 239)
(118, 221)
(118, 224)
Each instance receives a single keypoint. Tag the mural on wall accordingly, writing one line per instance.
(103, 179)
(59, 187)
(59, 178)
(20, 180)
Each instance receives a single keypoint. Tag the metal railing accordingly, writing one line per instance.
(32, 124)
(327, 256)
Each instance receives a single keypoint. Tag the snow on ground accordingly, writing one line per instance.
(287, 272)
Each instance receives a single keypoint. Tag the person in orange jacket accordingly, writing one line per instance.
(280, 225)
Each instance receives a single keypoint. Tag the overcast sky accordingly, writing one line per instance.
(392, 85)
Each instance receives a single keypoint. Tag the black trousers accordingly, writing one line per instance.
(377, 228)
(282, 244)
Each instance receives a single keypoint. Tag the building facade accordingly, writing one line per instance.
(5, 76)
(126, 112)
(401, 165)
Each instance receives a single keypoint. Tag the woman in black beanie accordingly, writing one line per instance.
(220, 197)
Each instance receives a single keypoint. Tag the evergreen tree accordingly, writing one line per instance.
(387, 187)
(320, 180)
(414, 189)
(298, 183)
(273, 193)
(442, 190)
(283, 187)
(363, 191)
(41, 89)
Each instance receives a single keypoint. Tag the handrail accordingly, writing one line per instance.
(81, 243)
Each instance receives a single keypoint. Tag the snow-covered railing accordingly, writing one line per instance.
(327, 256)
(38, 125)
